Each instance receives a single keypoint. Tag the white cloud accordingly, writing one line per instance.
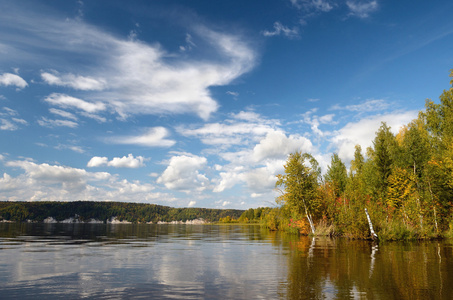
(20, 121)
(66, 101)
(74, 148)
(234, 94)
(127, 162)
(9, 121)
(246, 166)
(249, 116)
(277, 145)
(183, 173)
(327, 119)
(316, 5)
(8, 79)
(128, 75)
(9, 112)
(243, 128)
(280, 29)
(228, 180)
(69, 178)
(7, 125)
(315, 121)
(154, 137)
(362, 9)
(63, 114)
(7, 183)
(44, 182)
(369, 105)
(97, 161)
(45, 122)
(76, 82)
(192, 203)
(118, 162)
(364, 131)
(189, 44)
(260, 180)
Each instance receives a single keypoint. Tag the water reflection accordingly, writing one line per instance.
(211, 262)
(342, 269)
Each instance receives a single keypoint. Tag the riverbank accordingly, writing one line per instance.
(109, 212)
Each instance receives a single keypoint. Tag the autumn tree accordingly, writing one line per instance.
(299, 185)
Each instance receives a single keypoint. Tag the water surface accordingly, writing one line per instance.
(127, 261)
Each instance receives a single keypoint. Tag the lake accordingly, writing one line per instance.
(130, 261)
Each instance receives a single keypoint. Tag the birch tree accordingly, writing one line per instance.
(299, 185)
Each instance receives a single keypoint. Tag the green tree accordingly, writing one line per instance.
(358, 161)
(300, 184)
(384, 154)
(337, 175)
(439, 117)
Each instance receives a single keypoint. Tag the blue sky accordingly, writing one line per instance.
(198, 103)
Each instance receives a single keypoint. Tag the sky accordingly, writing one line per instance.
(199, 103)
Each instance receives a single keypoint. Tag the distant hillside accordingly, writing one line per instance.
(103, 211)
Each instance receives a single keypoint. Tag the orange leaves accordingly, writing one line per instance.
(301, 225)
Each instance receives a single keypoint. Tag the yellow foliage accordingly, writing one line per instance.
(400, 135)
(401, 186)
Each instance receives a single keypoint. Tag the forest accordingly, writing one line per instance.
(103, 211)
(404, 181)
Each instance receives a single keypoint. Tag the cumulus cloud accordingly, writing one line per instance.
(41, 182)
(8, 79)
(97, 161)
(7, 183)
(192, 203)
(257, 168)
(260, 180)
(362, 9)
(153, 137)
(69, 178)
(74, 81)
(118, 162)
(364, 131)
(280, 29)
(183, 173)
(277, 145)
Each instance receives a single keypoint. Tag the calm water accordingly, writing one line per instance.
(211, 262)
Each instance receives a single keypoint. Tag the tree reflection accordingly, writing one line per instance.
(345, 269)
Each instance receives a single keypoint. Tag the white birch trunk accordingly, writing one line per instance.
(312, 226)
(373, 234)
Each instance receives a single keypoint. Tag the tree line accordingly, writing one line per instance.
(404, 180)
(103, 211)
